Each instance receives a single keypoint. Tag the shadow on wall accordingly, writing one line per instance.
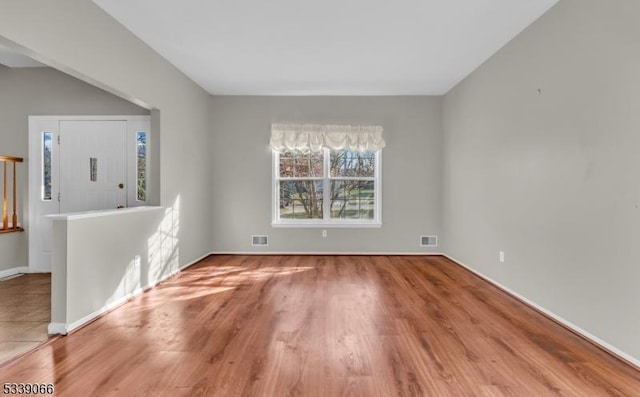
(163, 251)
(161, 259)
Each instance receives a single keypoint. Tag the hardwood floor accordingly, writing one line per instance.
(325, 326)
(25, 311)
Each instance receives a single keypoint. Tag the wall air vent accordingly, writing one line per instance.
(428, 241)
(259, 241)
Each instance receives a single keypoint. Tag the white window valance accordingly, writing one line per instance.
(315, 137)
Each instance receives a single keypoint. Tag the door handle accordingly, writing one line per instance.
(121, 185)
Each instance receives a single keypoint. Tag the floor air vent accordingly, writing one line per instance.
(259, 241)
(428, 241)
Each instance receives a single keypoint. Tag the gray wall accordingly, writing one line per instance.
(241, 173)
(553, 179)
(77, 37)
(42, 91)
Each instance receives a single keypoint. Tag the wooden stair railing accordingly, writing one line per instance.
(4, 227)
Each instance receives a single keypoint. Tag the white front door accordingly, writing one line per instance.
(81, 163)
(93, 165)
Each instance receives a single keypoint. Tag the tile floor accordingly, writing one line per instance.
(25, 312)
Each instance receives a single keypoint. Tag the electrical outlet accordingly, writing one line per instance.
(501, 256)
(324, 232)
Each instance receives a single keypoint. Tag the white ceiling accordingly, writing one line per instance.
(13, 59)
(326, 47)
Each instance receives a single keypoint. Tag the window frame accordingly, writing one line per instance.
(326, 222)
(134, 127)
(136, 196)
(43, 165)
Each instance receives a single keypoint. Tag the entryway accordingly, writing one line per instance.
(82, 163)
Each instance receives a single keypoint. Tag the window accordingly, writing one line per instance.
(327, 187)
(353, 185)
(46, 166)
(326, 175)
(141, 166)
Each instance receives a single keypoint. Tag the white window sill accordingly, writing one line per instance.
(326, 225)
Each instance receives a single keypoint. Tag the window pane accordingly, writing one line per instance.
(352, 164)
(141, 155)
(301, 165)
(301, 200)
(352, 200)
(286, 164)
(46, 165)
(308, 164)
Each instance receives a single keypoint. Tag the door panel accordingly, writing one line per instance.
(105, 142)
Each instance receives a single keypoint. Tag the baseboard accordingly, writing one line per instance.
(13, 271)
(634, 362)
(103, 310)
(193, 262)
(375, 253)
(57, 328)
(179, 269)
(64, 329)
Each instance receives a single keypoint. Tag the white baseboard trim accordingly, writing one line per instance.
(13, 271)
(57, 328)
(193, 262)
(567, 324)
(107, 308)
(376, 253)
(64, 329)
(179, 269)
